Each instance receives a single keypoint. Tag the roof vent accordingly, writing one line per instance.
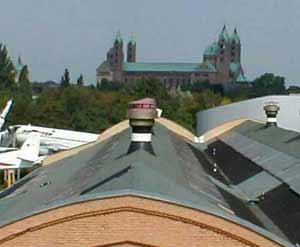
(271, 109)
(142, 114)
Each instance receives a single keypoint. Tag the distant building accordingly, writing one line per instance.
(221, 64)
(288, 116)
(51, 84)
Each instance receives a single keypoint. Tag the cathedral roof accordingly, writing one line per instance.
(168, 67)
(224, 34)
(211, 50)
(104, 67)
(235, 37)
(119, 37)
(132, 39)
(241, 78)
(236, 70)
(20, 65)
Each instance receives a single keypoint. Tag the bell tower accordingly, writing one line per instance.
(224, 57)
(131, 50)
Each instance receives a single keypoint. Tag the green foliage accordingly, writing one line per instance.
(269, 84)
(7, 70)
(94, 109)
(24, 82)
(200, 86)
(80, 81)
(65, 79)
(110, 85)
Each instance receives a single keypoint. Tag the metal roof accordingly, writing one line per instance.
(168, 67)
(276, 152)
(106, 167)
(212, 49)
(178, 172)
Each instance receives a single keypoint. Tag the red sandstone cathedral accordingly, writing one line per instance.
(221, 64)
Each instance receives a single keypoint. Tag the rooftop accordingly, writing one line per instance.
(178, 172)
(263, 166)
(167, 67)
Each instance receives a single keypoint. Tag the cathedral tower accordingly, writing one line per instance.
(235, 48)
(224, 56)
(131, 50)
(115, 58)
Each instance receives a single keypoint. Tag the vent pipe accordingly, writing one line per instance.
(142, 114)
(271, 110)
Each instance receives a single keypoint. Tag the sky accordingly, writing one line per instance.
(51, 35)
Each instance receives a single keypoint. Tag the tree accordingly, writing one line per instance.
(148, 87)
(80, 81)
(65, 79)
(269, 84)
(24, 82)
(7, 69)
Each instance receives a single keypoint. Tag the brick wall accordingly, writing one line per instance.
(127, 221)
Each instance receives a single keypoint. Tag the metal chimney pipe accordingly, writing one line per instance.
(142, 114)
(271, 110)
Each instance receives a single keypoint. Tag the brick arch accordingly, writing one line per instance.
(138, 221)
(126, 244)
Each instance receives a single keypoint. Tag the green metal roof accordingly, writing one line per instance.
(212, 50)
(241, 78)
(104, 67)
(20, 65)
(235, 37)
(168, 67)
(236, 71)
(132, 39)
(119, 36)
(224, 34)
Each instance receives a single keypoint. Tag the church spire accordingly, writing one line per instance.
(235, 36)
(224, 34)
(119, 36)
(131, 49)
(20, 65)
(132, 39)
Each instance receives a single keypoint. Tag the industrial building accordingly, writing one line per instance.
(235, 113)
(146, 182)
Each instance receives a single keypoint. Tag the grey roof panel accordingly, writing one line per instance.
(174, 172)
(258, 185)
(267, 157)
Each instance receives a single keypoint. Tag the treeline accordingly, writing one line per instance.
(93, 109)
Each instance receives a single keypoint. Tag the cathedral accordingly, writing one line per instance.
(221, 64)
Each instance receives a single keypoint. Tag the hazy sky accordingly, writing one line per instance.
(51, 35)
